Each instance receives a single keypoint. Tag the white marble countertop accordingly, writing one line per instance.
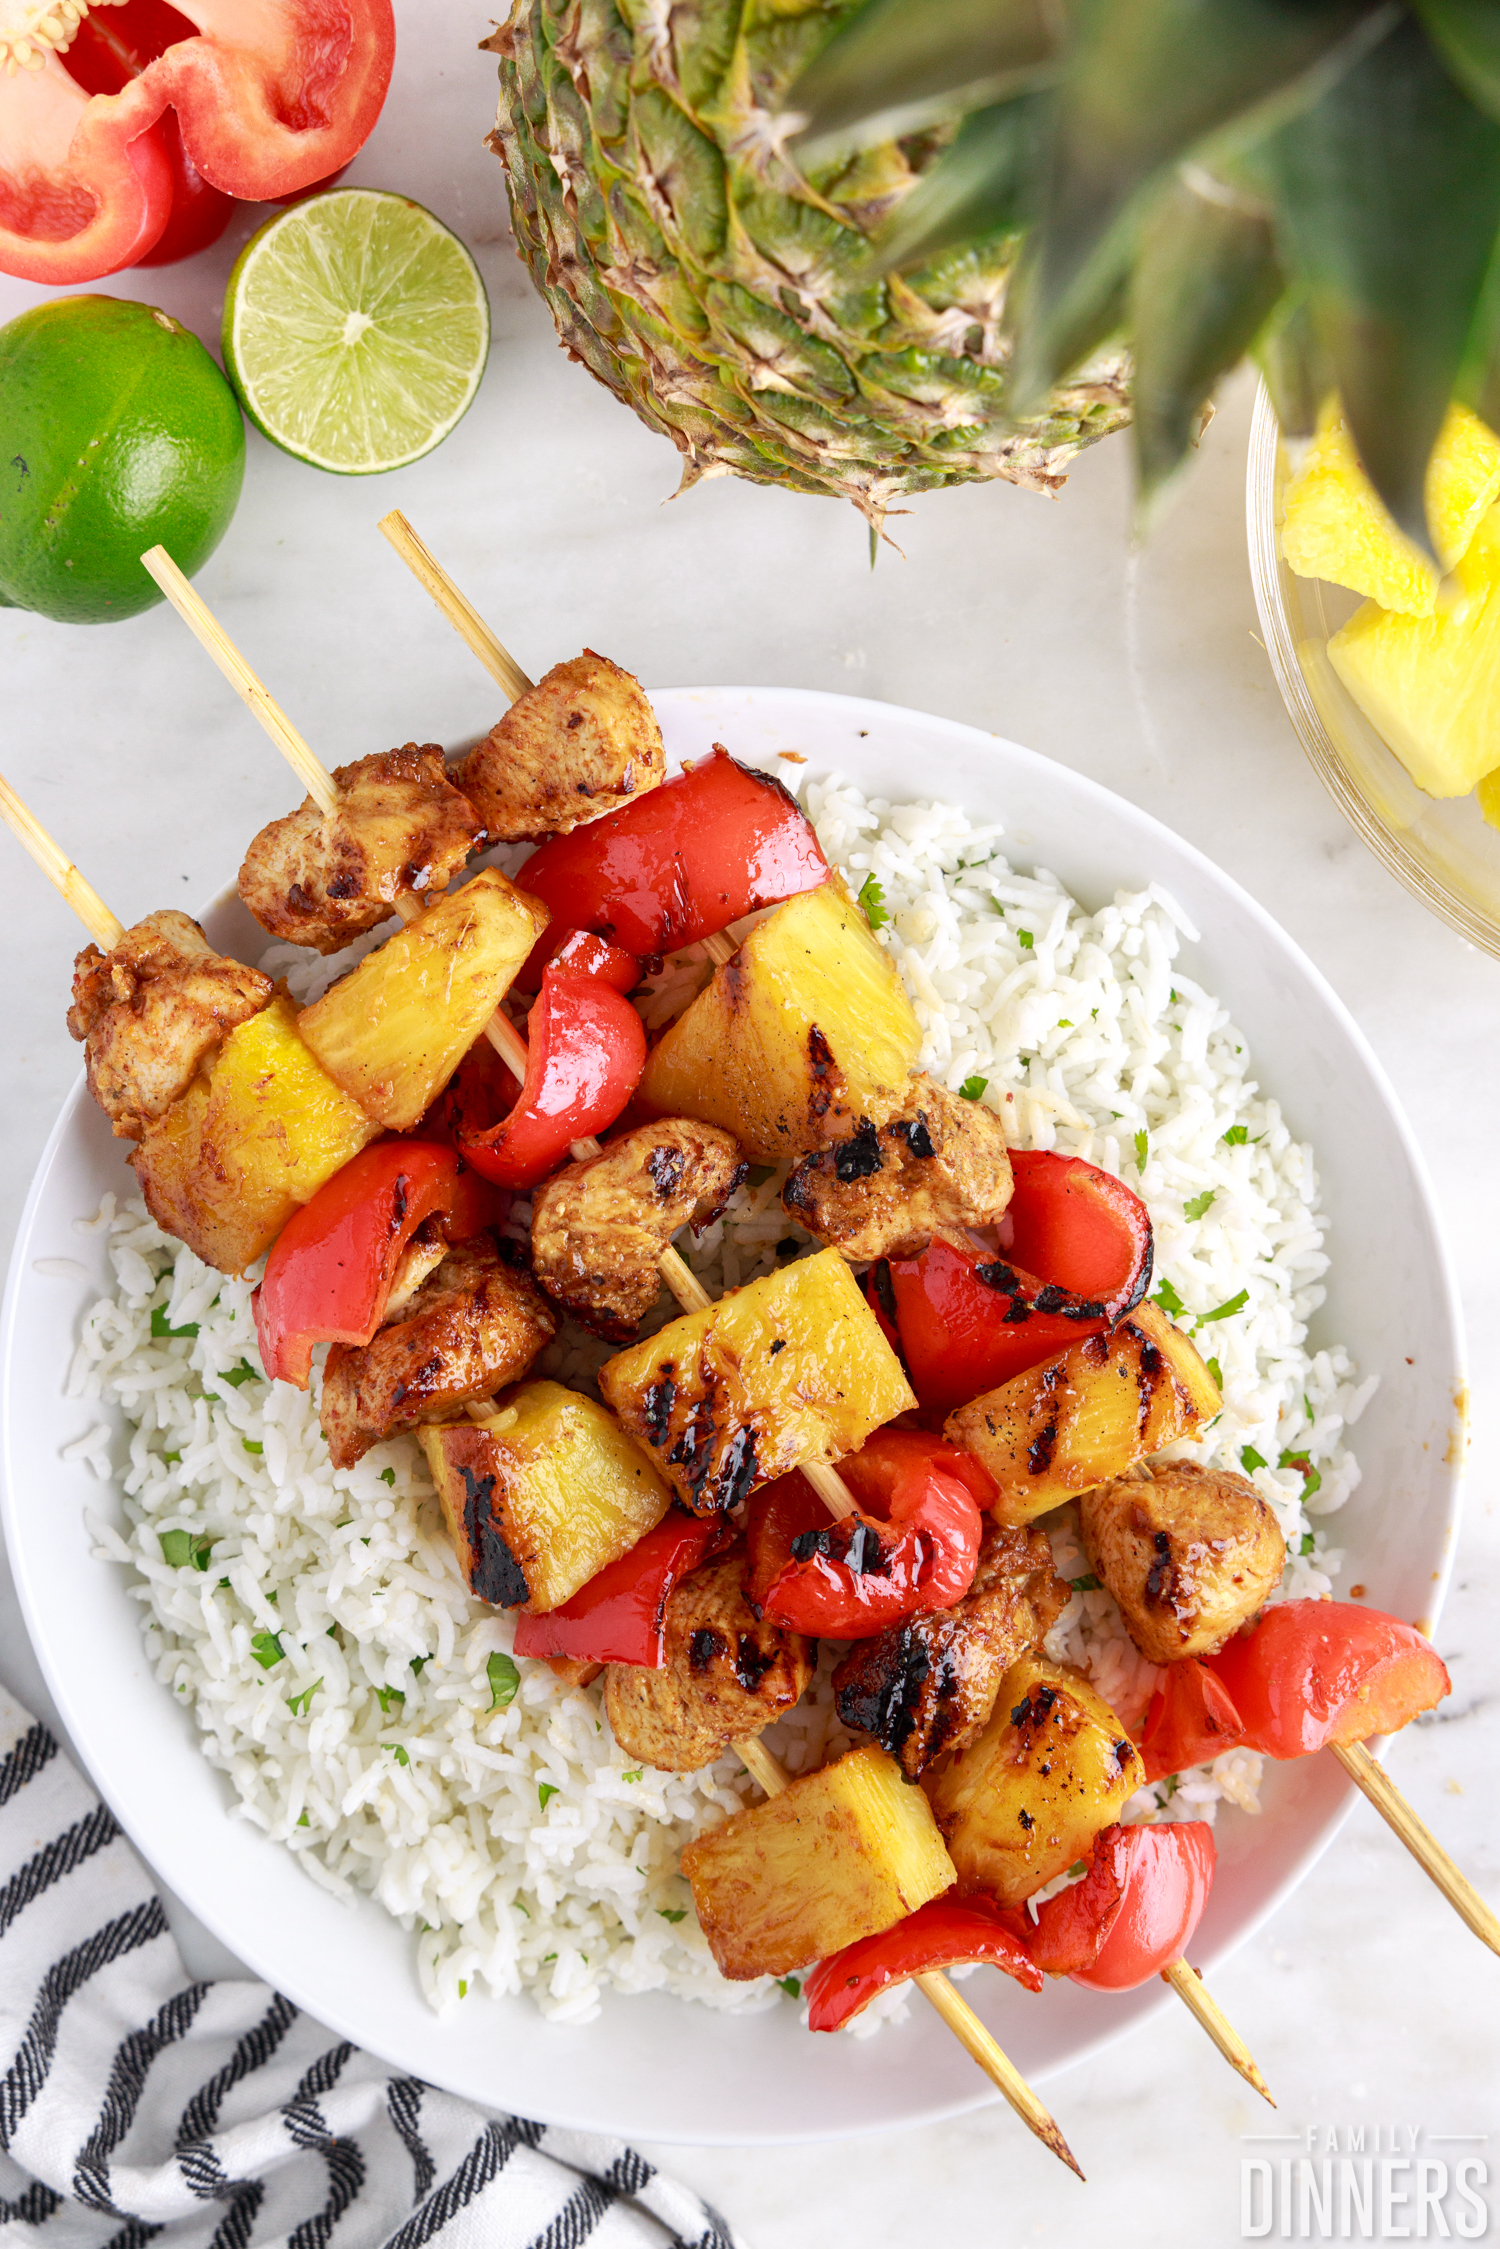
(1365, 2001)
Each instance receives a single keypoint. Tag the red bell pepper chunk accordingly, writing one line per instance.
(1080, 1228)
(581, 953)
(1135, 1910)
(776, 1516)
(1312, 1672)
(966, 1322)
(110, 48)
(329, 1275)
(675, 865)
(943, 1934)
(272, 95)
(1191, 1718)
(883, 1468)
(586, 1047)
(850, 1579)
(620, 1615)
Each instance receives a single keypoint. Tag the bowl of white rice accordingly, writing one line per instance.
(317, 1736)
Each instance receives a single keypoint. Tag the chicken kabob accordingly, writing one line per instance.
(558, 1427)
(943, 1169)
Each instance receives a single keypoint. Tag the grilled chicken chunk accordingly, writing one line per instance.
(582, 742)
(937, 1167)
(151, 1014)
(322, 879)
(928, 1684)
(727, 1673)
(599, 1227)
(1189, 1553)
(473, 1325)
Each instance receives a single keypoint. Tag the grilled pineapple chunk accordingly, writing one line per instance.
(1085, 1416)
(236, 1154)
(542, 1496)
(842, 1854)
(807, 1029)
(394, 1030)
(789, 1369)
(1026, 1799)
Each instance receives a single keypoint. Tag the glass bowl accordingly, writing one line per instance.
(1440, 848)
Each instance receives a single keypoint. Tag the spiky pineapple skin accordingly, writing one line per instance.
(704, 281)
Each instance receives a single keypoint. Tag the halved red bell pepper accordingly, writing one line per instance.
(112, 46)
(620, 1615)
(966, 1322)
(943, 1934)
(850, 1579)
(268, 96)
(675, 865)
(586, 1047)
(329, 1275)
(882, 1472)
(1135, 1910)
(1191, 1719)
(1312, 1672)
(1080, 1228)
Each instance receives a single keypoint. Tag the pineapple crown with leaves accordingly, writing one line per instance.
(1313, 181)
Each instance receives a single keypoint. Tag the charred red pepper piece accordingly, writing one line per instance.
(1312, 1672)
(270, 96)
(848, 1580)
(581, 953)
(586, 1047)
(1134, 1911)
(681, 862)
(329, 1275)
(965, 1322)
(1079, 1228)
(620, 1615)
(943, 1934)
(1191, 1718)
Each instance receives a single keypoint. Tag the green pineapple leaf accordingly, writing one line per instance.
(979, 188)
(1142, 86)
(1387, 197)
(891, 69)
(1206, 280)
(1298, 371)
(1466, 33)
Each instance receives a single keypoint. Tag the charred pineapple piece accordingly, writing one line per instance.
(842, 1854)
(1026, 1799)
(393, 1031)
(789, 1369)
(804, 1032)
(243, 1148)
(1085, 1416)
(542, 1495)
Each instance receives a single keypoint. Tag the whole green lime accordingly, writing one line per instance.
(117, 433)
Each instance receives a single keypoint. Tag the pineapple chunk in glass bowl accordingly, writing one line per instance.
(1440, 848)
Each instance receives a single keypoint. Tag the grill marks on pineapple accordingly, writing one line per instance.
(494, 1573)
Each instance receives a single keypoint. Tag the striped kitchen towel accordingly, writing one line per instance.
(137, 2105)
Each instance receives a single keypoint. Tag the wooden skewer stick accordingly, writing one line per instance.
(60, 870)
(1195, 1994)
(936, 1988)
(200, 619)
(1423, 1845)
(492, 653)
(459, 611)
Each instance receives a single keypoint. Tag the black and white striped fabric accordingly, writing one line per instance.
(136, 2105)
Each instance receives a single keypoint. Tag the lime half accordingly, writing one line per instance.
(356, 329)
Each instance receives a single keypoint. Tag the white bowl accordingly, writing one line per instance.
(656, 2067)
